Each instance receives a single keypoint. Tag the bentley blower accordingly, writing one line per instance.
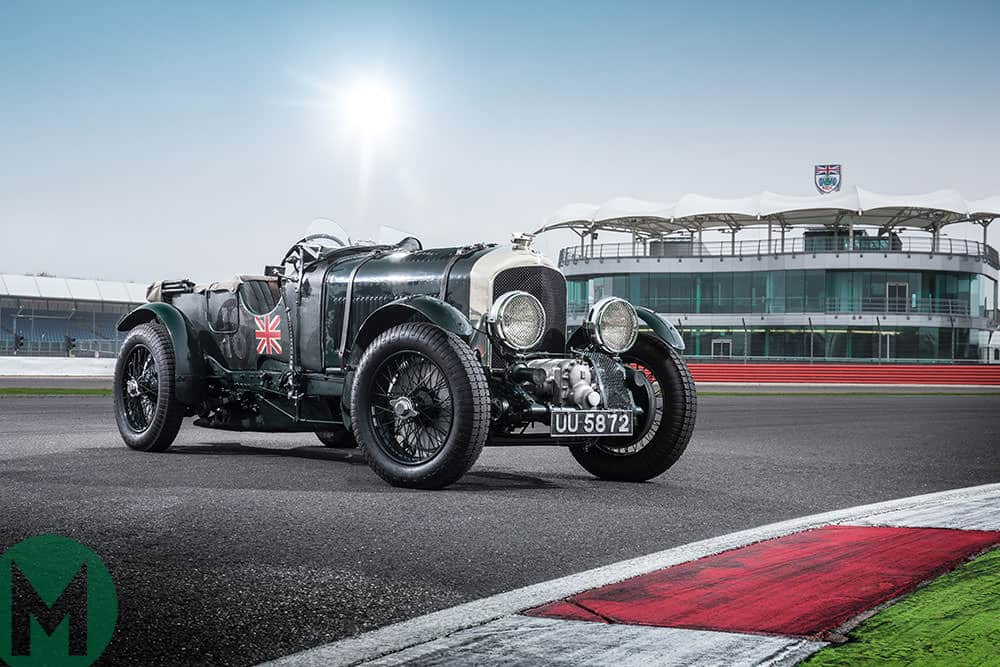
(419, 358)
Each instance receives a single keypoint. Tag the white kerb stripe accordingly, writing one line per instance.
(403, 635)
(521, 640)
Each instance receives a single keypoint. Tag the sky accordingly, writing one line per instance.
(151, 140)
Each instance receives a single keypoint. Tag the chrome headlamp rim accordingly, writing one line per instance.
(495, 318)
(594, 316)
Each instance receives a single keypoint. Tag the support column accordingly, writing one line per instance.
(996, 295)
(782, 237)
(812, 339)
(986, 225)
(850, 236)
(934, 240)
(769, 246)
(746, 340)
(699, 240)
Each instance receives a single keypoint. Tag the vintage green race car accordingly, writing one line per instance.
(420, 357)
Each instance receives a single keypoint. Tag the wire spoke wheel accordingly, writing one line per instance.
(147, 411)
(412, 408)
(420, 406)
(140, 388)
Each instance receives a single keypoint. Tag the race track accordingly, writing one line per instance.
(235, 548)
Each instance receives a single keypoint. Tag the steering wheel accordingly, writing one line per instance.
(312, 237)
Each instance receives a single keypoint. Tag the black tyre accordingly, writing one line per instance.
(420, 406)
(663, 434)
(146, 406)
(337, 437)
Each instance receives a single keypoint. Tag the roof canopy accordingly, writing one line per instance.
(45, 287)
(854, 205)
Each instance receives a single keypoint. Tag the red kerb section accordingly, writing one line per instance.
(804, 584)
(824, 373)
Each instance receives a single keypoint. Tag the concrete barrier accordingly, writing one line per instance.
(56, 367)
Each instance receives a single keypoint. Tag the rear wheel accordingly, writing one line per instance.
(146, 408)
(421, 406)
(337, 437)
(670, 402)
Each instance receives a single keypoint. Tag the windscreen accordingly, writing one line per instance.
(327, 233)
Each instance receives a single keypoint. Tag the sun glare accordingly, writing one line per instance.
(370, 108)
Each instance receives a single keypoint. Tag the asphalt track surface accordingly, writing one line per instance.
(234, 548)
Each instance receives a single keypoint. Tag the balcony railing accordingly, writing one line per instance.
(823, 305)
(84, 348)
(658, 248)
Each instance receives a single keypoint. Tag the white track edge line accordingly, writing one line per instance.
(405, 634)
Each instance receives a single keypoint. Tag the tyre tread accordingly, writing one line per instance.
(166, 422)
(463, 364)
(667, 446)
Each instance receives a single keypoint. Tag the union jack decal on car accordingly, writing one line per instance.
(268, 334)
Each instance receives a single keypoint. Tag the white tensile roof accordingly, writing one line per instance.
(45, 287)
(693, 211)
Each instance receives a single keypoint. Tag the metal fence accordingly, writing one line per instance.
(828, 305)
(99, 348)
(662, 248)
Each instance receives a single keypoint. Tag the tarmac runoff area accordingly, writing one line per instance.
(239, 548)
(830, 589)
(38, 384)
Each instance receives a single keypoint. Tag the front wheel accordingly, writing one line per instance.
(146, 407)
(670, 403)
(421, 406)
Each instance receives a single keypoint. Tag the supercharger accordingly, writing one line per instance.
(567, 382)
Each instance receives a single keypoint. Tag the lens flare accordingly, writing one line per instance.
(369, 108)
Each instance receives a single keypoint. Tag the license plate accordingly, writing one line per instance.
(590, 422)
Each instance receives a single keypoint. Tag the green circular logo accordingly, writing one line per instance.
(58, 603)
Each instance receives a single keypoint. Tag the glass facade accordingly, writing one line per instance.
(862, 342)
(795, 291)
(742, 294)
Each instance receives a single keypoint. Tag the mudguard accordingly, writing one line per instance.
(661, 327)
(434, 310)
(189, 370)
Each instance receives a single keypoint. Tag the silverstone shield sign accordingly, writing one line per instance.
(827, 178)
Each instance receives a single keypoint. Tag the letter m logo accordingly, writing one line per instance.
(29, 609)
(58, 604)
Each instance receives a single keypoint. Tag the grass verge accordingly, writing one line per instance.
(955, 620)
(53, 391)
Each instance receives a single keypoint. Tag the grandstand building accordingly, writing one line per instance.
(852, 275)
(63, 316)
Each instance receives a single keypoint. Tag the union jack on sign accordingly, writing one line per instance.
(827, 178)
(268, 334)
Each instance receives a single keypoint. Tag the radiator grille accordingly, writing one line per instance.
(549, 287)
(616, 394)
